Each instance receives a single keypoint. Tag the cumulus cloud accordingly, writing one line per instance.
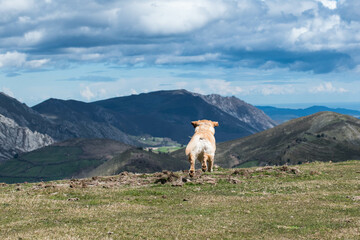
(221, 86)
(299, 36)
(327, 87)
(17, 60)
(87, 93)
(277, 90)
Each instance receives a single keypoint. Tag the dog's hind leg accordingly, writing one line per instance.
(204, 158)
(192, 165)
(210, 161)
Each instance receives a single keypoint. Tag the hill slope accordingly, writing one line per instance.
(281, 115)
(60, 160)
(324, 136)
(83, 158)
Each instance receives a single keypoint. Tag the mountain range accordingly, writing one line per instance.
(165, 114)
(66, 138)
(280, 115)
(158, 114)
(324, 136)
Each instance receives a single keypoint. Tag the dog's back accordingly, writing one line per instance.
(202, 145)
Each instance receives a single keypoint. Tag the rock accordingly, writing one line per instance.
(15, 139)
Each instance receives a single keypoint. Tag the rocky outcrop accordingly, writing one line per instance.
(15, 139)
(241, 110)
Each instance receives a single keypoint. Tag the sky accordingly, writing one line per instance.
(265, 52)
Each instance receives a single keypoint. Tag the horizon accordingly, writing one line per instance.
(264, 53)
(334, 105)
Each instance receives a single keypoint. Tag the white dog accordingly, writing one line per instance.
(202, 145)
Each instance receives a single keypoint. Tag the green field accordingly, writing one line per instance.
(309, 201)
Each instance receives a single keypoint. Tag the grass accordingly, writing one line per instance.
(320, 201)
(168, 149)
(60, 162)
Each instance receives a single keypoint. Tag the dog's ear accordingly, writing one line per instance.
(195, 123)
(215, 124)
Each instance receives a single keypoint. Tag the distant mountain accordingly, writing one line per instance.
(324, 136)
(15, 139)
(82, 120)
(159, 114)
(281, 115)
(83, 158)
(241, 110)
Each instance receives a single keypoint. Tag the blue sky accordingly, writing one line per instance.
(262, 51)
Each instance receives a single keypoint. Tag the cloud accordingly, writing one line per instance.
(87, 93)
(92, 78)
(277, 90)
(7, 91)
(221, 87)
(327, 87)
(18, 60)
(331, 4)
(319, 36)
(186, 59)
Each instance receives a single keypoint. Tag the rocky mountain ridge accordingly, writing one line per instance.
(15, 139)
(159, 114)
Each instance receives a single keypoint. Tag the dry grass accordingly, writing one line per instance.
(311, 201)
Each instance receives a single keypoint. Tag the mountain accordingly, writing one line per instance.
(15, 139)
(281, 115)
(25, 116)
(324, 136)
(241, 110)
(159, 114)
(82, 120)
(83, 158)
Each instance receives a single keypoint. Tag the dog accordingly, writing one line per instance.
(202, 145)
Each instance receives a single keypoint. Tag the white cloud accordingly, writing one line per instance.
(7, 91)
(277, 90)
(173, 17)
(17, 60)
(327, 87)
(186, 59)
(33, 37)
(87, 93)
(331, 4)
(15, 5)
(36, 63)
(12, 59)
(141, 32)
(221, 87)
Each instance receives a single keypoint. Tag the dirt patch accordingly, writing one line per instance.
(267, 171)
(176, 179)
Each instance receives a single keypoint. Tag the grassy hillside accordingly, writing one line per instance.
(325, 136)
(84, 158)
(60, 160)
(138, 161)
(310, 201)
